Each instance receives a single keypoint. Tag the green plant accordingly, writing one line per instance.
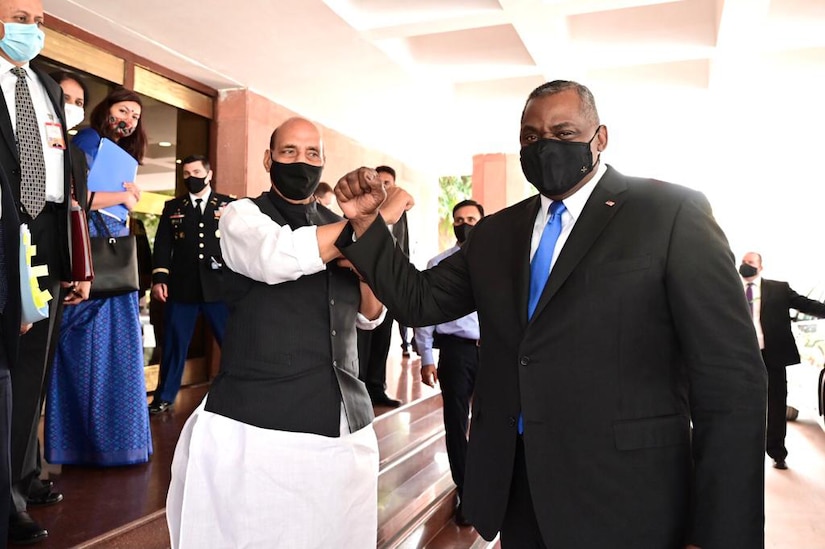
(454, 189)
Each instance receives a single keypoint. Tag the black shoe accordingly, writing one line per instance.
(159, 407)
(780, 464)
(39, 485)
(384, 400)
(23, 530)
(43, 495)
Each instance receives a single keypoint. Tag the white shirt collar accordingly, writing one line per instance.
(7, 66)
(204, 198)
(575, 202)
(757, 282)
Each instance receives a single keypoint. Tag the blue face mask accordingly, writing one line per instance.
(22, 42)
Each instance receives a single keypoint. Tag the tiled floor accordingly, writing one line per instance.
(97, 500)
(795, 499)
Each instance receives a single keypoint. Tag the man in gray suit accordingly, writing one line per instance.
(620, 396)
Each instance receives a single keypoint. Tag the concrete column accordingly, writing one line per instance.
(498, 181)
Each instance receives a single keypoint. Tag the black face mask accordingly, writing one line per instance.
(195, 184)
(462, 231)
(747, 271)
(554, 167)
(296, 181)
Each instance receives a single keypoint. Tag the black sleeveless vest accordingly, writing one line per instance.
(289, 356)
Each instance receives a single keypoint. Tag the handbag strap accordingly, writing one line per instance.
(97, 219)
(88, 207)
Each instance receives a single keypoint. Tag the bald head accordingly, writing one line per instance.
(754, 260)
(294, 159)
(296, 128)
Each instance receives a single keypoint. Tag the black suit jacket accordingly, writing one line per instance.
(11, 247)
(642, 332)
(777, 297)
(183, 251)
(54, 248)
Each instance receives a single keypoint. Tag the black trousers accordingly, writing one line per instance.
(777, 419)
(520, 529)
(5, 437)
(373, 349)
(457, 366)
(37, 349)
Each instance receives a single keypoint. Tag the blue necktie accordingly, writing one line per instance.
(540, 267)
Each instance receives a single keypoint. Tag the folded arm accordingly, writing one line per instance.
(255, 246)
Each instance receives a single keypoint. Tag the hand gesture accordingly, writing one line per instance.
(360, 193)
(398, 201)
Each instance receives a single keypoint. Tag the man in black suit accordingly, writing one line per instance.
(374, 345)
(457, 344)
(627, 408)
(49, 224)
(188, 273)
(769, 302)
(9, 335)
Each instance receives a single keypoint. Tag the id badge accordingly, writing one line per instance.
(54, 135)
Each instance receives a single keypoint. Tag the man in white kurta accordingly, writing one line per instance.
(282, 452)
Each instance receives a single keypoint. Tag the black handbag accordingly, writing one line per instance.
(115, 262)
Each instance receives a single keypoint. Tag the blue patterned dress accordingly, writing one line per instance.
(96, 411)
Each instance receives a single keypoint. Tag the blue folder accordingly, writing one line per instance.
(112, 168)
(34, 302)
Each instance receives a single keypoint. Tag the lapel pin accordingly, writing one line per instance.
(610, 203)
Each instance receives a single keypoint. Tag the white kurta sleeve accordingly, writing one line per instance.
(363, 323)
(257, 247)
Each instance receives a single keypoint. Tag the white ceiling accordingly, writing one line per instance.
(434, 82)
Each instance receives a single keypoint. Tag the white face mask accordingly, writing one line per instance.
(74, 115)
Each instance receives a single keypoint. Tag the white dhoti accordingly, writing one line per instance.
(238, 486)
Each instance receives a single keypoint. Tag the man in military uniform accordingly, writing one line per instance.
(187, 273)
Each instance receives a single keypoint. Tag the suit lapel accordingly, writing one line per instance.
(7, 129)
(55, 95)
(765, 293)
(522, 237)
(600, 208)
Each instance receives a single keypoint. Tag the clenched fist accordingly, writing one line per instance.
(360, 193)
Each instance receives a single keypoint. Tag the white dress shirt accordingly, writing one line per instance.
(756, 291)
(204, 199)
(574, 205)
(52, 156)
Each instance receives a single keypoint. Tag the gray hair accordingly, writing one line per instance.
(588, 103)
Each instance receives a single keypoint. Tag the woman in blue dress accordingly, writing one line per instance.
(96, 402)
